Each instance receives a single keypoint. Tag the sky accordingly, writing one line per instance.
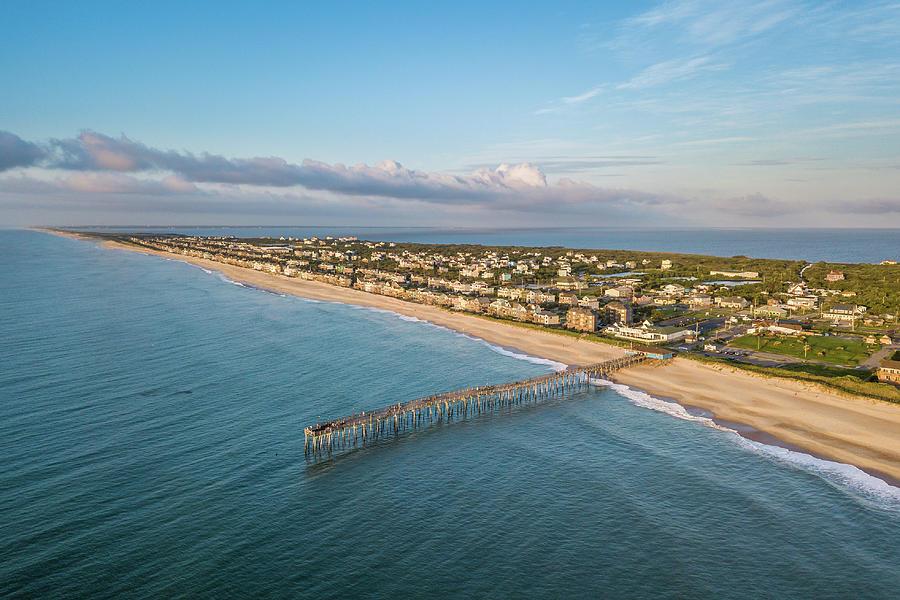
(773, 113)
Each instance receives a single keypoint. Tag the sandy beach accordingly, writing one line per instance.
(852, 430)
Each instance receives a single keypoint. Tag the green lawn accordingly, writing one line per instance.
(835, 350)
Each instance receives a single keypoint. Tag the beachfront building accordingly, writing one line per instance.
(581, 319)
(617, 312)
(544, 317)
(889, 371)
(666, 265)
(648, 332)
(834, 276)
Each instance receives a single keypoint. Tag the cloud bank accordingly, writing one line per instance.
(104, 164)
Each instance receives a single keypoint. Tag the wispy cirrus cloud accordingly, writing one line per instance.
(670, 71)
(711, 23)
(582, 97)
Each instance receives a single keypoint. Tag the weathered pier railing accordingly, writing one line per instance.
(366, 427)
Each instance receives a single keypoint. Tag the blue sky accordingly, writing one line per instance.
(688, 112)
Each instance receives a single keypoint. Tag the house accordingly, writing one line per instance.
(568, 298)
(673, 289)
(569, 283)
(545, 317)
(797, 289)
(735, 302)
(666, 265)
(651, 352)
(622, 291)
(581, 319)
(840, 314)
(889, 370)
(589, 302)
(805, 302)
(617, 312)
(700, 300)
(834, 276)
(885, 340)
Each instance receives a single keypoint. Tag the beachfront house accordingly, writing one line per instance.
(889, 371)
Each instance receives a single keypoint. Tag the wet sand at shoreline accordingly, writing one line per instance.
(847, 429)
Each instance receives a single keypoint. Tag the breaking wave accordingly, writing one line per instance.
(846, 476)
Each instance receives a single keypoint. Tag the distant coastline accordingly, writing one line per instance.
(857, 431)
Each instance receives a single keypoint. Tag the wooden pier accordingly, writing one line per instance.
(349, 432)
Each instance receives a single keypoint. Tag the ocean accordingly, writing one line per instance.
(830, 245)
(151, 434)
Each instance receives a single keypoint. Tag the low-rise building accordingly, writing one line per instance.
(735, 302)
(840, 314)
(889, 370)
(700, 300)
(673, 289)
(622, 291)
(805, 302)
(647, 332)
(545, 317)
(589, 302)
(568, 298)
(771, 311)
(834, 276)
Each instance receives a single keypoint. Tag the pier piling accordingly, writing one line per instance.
(367, 427)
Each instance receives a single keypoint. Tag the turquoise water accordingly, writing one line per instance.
(151, 421)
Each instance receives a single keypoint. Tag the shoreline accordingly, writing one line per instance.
(797, 415)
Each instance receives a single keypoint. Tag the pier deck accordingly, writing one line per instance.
(367, 427)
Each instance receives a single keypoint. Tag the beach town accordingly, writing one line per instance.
(810, 366)
(795, 313)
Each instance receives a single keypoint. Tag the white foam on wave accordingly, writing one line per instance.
(848, 477)
(537, 360)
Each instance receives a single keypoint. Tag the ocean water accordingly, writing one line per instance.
(151, 435)
(832, 245)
